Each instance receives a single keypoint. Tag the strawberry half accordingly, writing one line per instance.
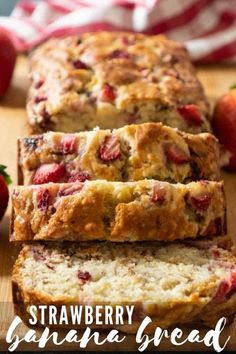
(224, 124)
(175, 154)
(52, 172)
(8, 56)
(191, 114)
(110, 148)
(4, 193)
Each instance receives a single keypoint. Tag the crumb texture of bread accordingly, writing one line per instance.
(110, 79)
(173, 283)
(118, 211)
(131, 153)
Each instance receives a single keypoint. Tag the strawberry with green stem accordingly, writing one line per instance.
(5, 180)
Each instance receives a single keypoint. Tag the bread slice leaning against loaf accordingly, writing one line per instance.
(174, 284)
(118, 211)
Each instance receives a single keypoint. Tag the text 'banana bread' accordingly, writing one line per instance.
(110, 79)
(118, 211)
(131, 153)
(173, 283)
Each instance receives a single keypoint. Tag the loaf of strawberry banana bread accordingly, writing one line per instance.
(110, 79)
(131, 153)
(174, 283)
(118, 211)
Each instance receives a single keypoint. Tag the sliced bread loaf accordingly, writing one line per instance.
(118, 211)
(131, 153)
(173, 283)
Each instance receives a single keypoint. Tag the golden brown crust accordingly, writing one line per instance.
(140, 154)
(149, 78)
(118, 211)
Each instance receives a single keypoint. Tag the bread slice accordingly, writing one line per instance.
(131, 153)
(174, 283)
(118, 211)
(110, 79)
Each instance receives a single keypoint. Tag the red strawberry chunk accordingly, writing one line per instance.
(119, 54)
(46, 116)
(79, 176)
(215, 253)
(226, 288)
(175, 154)
(191, 113)
(78, 64)
(159, 194)
(107, 94)
(110, 148)
(214, 228)
(223, 289)
(84, 276)
(70, 190)
(204, 182)
(201, 202)
(43, 197)
(39, 253)
(39, 99)
(51, 172)
(68, 144)
(38, 84)
(127, 40)
(132, 118)
(233, 280)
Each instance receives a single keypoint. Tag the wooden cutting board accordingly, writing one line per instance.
(216, 80)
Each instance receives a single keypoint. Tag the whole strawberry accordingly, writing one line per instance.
(4, 193)
(224, 124)
(7, 60)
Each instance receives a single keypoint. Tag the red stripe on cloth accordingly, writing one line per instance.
(180, 20)
(222, 53)
(31, 23)
(130, 5)
(127, 4)
(27, 6)
(226, 19)
(58, 7)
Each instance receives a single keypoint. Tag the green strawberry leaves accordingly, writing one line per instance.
(233, 87)
(5, 175)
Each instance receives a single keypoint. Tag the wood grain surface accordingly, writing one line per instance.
(216, 80)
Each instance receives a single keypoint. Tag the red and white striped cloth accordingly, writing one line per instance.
(207, 27)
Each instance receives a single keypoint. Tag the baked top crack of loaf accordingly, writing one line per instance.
(110, 79)
(118, 211)
(131, 153)
(173, 283)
